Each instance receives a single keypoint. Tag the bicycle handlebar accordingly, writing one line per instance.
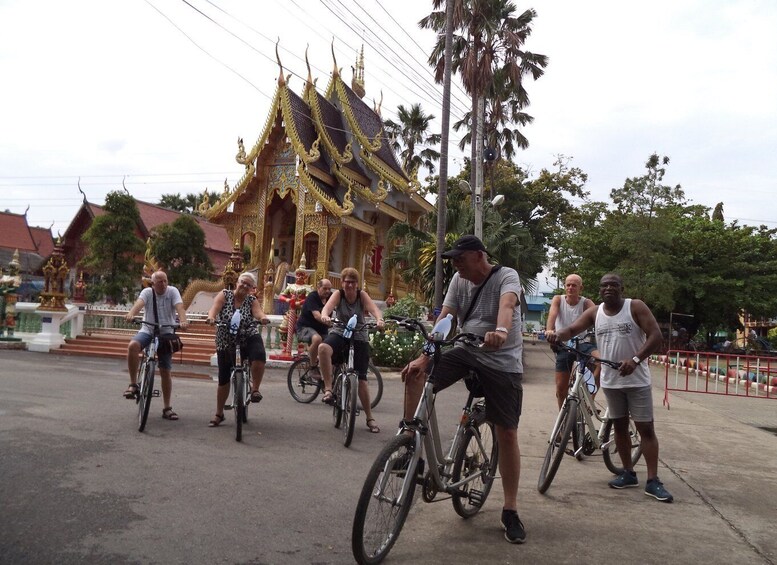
(587, 356)
(358, 327)
(141, 321)
(414, 325)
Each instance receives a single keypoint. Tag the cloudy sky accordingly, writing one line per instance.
(153, 94)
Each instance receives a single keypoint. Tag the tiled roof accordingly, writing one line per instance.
(334, 122)
(44, 241)
(15, 233)
(370, 123)
(216, 237)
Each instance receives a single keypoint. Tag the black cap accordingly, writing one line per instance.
(465, 243)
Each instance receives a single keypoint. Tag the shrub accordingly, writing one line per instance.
(406, 307)
(394, 348)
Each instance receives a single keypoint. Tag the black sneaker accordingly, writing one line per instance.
(514, 532)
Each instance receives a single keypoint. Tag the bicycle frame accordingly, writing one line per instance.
(579, 391)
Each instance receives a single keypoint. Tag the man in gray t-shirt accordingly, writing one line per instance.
(498, 364)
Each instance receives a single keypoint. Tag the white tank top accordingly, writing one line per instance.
(568, 313)
(618, 337)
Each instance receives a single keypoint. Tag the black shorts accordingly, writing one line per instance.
(503, 391)
(252, 349)
(361, 353)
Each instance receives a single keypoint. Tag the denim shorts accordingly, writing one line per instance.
(565, 358)
(165, 359)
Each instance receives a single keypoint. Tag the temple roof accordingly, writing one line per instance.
(336, 134)
(15, 233)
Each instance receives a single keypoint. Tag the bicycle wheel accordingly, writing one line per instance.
(350, 384)
(375, 386)
(557, 444)
(303, 386)
(610, 454)
(471, 460)
(145, 392)
(380, 514)
(337, 407)
(238, 401)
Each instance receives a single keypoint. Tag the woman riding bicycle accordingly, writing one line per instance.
(346, 302)
(243, 298)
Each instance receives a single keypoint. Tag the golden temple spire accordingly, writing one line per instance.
(357, 84)
(335, 72)
(281, 80)
(307, 64)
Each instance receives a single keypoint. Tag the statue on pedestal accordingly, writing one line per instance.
(8, 286)
(295, 295)
(55, 273)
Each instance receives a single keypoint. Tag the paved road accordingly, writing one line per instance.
(71, 465)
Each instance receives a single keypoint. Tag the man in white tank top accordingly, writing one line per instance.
(626, 331)
(565, 309)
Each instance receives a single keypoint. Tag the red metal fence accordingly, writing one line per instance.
(750, 376)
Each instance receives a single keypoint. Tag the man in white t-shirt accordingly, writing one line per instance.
(169, 303)
(626, 331)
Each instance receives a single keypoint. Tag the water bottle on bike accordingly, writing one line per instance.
(440, 331)
(349, 327)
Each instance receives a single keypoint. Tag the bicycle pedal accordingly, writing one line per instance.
(155, 394)
(476, 497)
(228, 407)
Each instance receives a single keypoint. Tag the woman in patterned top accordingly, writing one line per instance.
(243, 298)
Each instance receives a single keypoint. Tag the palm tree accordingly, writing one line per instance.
(489, 56)
(411, 133)
(510, 244)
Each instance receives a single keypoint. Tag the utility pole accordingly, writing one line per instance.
(442, 196)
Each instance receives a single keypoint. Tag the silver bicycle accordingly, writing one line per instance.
(466, 472)
(582, 421)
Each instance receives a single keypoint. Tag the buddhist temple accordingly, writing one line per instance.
(321, 180)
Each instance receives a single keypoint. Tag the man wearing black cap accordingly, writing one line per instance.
(484, 298)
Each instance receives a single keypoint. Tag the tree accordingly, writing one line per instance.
(489, 56)
(416, 249)
(411, 137)
(114, 249)
(674, 255)
(185, 204)
(180, 247)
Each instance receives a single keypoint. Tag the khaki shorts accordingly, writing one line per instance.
(636, 402)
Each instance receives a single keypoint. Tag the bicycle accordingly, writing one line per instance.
(345, 385)
(240, 377)
(466, 471)
(580, 419)
(146, 370)
(305, 387)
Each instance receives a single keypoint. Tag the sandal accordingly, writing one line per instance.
(168, 414)
(328, 397)
(131, 392)
(216, 421)
(256, 397)
(374, 429)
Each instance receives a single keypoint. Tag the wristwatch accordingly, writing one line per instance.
(501, 329)
(636, 360)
